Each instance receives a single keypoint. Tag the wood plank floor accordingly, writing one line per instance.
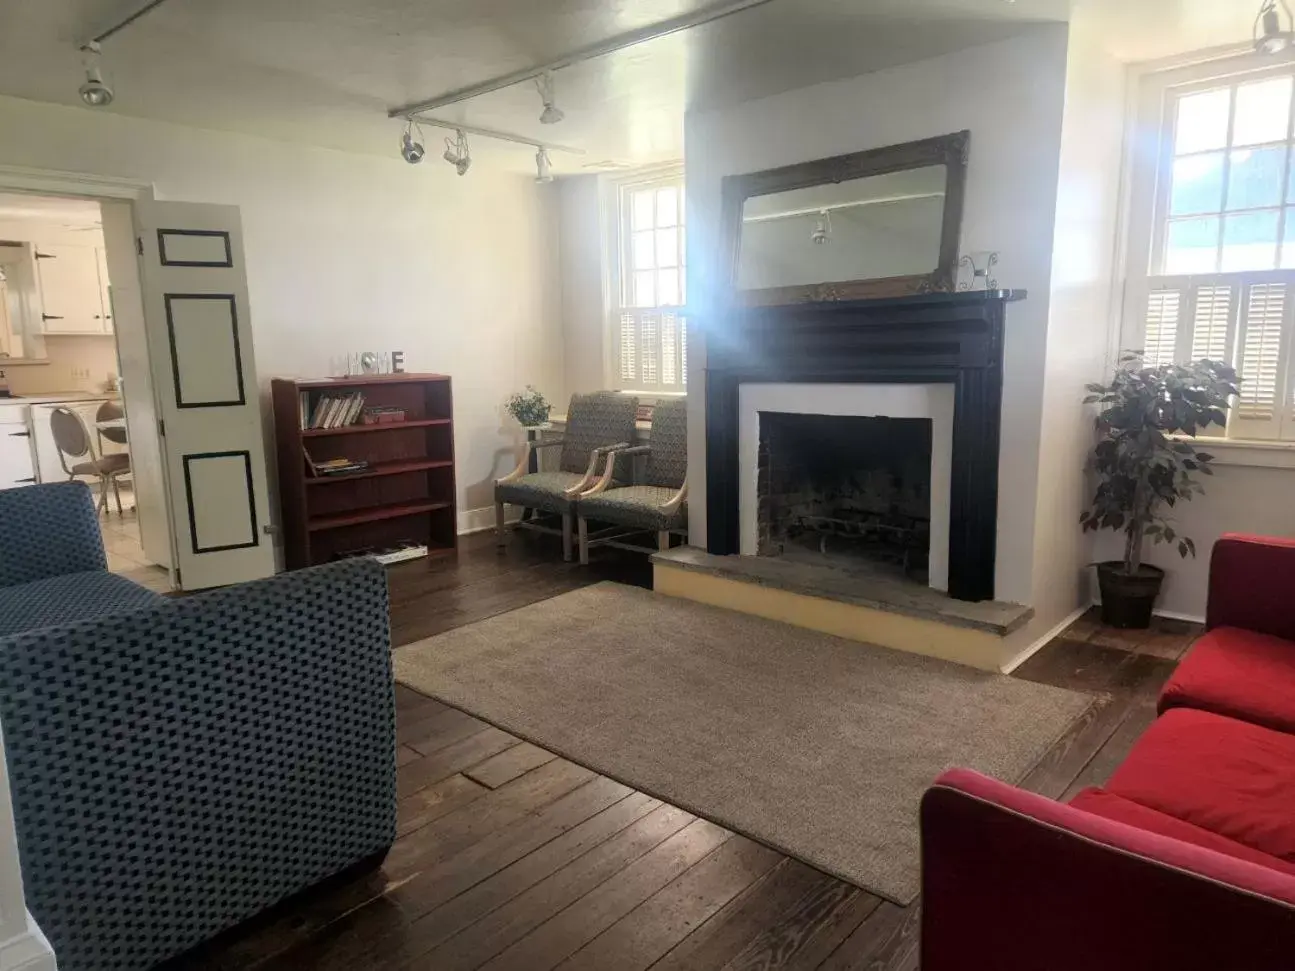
(509, 857)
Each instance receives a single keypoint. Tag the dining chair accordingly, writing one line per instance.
(77, 456)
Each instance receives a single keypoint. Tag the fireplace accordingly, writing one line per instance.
(934, 359)
(848, 491)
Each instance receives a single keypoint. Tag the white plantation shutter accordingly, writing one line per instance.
(1261, 360)
(1246, 319)
(653, 345)
(1159, 345)
(1212, 318)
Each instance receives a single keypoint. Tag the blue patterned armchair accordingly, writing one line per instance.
(658, 504)
(597, 424)
(179, 765)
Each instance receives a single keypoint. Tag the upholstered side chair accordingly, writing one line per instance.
(657, 505)
(597, 424)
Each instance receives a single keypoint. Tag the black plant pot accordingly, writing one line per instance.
(1127, 600)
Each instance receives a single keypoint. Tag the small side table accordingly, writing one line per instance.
(533, 463)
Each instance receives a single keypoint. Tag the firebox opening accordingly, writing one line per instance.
(850, 492)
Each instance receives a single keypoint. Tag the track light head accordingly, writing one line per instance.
(410, 150)
(543, 167)
(822, 229)
(457, 152)
(1271, 36)
(551, 114)
(95, 92)
(463, 164)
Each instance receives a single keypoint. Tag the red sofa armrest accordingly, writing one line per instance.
(1252, 584)
(1012, 881)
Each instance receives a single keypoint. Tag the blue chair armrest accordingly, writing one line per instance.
(48, 530)
(180, 768)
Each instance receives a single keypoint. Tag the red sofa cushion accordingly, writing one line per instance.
(1239, 673)
(1108, 805)
(1227, 776)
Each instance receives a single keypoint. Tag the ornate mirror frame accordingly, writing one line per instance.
(948, 150)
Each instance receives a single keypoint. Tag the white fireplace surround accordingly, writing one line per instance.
(932, 401)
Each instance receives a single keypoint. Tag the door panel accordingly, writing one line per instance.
(204, 373)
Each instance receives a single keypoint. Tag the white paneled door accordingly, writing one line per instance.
(205, 384)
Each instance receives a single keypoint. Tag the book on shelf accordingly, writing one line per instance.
(333, 411)
(341, 466)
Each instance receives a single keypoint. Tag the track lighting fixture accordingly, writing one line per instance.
(543, 167)
(551, 114)
(1271, 36)
(822, 229)
(96, 92)
(457, 152)
(410, 150)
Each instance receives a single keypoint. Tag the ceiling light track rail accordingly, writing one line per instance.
(600, 49)
(502, 136)
(125, 22)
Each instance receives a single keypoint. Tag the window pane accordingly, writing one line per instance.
(1197, 185)
(1262, 112)
(1202, 122)
(645, 289)
(641, 205)
(667, 247)
(1255, 178)
(667, 207)
(1288, 242)
(643, 252)
(1192, 245)
(1250, 241)
(668, 288)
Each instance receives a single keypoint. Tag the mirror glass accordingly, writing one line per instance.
(870, 228)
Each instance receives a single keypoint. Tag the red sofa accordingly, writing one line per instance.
(1184, 859)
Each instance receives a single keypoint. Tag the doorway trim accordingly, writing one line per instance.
(18, 178)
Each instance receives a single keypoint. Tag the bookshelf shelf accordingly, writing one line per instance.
(406, 494)
(363, 429)
(381, 469)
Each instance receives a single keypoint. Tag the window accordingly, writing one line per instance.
(1220, 279)
(648, 327)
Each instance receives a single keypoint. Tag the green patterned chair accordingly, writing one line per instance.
(596, 425)
(659, 504)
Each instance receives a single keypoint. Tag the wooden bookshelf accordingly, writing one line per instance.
(407, 492)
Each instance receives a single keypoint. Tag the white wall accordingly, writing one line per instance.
(351, 252)
(1009, 95)
(583, 251)
(1082, 317)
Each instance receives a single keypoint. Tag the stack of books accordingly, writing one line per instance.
(338, 467)
(331, 410)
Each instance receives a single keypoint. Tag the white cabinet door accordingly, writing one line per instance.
(16, 466)
(71, 301)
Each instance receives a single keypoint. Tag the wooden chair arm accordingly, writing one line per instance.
(680, 497)
(590, 472)
(609, 473)
(524, 465)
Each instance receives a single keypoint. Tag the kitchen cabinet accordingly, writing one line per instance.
(73, 287)
(17, 462)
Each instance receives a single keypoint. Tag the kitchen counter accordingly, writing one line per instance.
(57, 396)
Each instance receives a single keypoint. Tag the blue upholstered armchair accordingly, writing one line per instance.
(178, 765)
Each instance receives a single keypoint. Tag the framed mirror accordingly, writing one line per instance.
(880, 223)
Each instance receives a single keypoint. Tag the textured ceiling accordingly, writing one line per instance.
(325, 71)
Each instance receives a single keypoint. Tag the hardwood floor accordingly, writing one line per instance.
(512, 859)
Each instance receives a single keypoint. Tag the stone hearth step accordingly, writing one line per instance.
(877, 609)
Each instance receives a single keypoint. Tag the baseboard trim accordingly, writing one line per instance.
(28, 951)
(1176, 615)
(480, 520)
(1043, 641)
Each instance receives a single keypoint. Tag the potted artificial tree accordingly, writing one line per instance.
(1140, 469)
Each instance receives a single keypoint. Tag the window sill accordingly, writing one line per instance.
(1252, 453)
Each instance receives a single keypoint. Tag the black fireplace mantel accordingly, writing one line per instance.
(954, 338)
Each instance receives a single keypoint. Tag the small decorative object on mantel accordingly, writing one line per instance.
(1140, 469)
(976, 271)
(529, 407)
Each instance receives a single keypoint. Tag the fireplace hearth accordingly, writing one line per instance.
(849, 492)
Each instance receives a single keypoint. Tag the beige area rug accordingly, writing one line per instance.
(817, 746)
